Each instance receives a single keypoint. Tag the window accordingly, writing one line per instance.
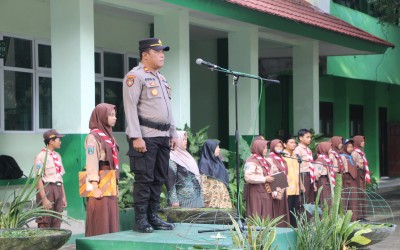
(356, 120)
(110, 68)
(326, 118)
(25, 74)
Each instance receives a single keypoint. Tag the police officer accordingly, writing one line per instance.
(51, 193)
(151, 133)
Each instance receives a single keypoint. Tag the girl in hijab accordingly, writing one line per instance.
(184, 177)
(324, 172)
(337, 144)
(214, 176)
(257, 176)
(349, 193)
(278, 164)
(102, 214)
(362, 172)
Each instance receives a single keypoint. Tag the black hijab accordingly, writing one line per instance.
(211, 165)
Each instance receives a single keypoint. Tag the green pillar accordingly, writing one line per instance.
(341, 111)
(73, 87)
(371, 128)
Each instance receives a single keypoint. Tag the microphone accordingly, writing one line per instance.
(299, 158)
(281, 153)
(200, 61)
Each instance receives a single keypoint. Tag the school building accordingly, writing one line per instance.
(337, 67)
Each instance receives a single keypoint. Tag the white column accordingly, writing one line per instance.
(72, 47)
(243, 57)
(173, 30)
(306, 87)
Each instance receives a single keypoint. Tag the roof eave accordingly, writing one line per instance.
(236, 12)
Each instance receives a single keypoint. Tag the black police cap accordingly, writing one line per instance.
(152, 43)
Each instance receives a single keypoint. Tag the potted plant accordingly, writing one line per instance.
(16, 213)
(125, 198)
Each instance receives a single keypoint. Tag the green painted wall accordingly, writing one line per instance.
(381, 67)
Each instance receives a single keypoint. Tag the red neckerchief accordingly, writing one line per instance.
(56, 161)
(262, 161)
(279, 159)
(339, 159)
(110, 144)
(330, 167)
(311, 161)
(366, 167)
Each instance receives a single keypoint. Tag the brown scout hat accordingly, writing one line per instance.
(51, 134)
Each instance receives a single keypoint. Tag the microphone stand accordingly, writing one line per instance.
(236, 76)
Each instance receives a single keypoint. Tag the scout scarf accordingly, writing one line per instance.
(262, 161)
(279, 159)
(340, 161)
(56, 161)
(330, 167)
(311, 161)
(110, 144)
(366, 167)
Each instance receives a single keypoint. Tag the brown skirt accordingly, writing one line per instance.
(280, 207)
(326, 193)
(258, 201)
(102, 216)
(350, 196)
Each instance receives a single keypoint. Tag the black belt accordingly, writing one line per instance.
(323, 176)
(57, 183)
(155, 125)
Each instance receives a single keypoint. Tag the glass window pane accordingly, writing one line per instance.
(45, 105)
(113, 95)
(132, 62)
(97, 93)
(97, 63)
(19, 53)
(18, 96)
(113, 65)
(44, 52)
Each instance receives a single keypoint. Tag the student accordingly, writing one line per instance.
(325, 175)
(337, 144)
(349, 193)
(102, 215)
(280, 202)
(214, 176)
(295, 183)
(306, 167)
(257, 176)
(362, 172)
(51, 193)
(183, 177)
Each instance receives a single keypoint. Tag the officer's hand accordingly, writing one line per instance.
(139, 145)
(174, 143)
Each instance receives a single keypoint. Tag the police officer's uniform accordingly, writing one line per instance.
(149, 116)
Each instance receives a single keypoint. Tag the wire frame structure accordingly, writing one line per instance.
(375, 216)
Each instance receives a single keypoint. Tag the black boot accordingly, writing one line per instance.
(141, 223)
(155, 220)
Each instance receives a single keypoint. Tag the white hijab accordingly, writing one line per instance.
(183, 158)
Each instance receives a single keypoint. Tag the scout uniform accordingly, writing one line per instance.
(305, 170)
(148, 114)
(51, 171)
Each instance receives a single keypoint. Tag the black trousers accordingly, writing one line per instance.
(294, 206)
(150, 169)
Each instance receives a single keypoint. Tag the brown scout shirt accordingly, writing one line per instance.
(147, 95)
(301, 150)
(253, 173)
(358, 160)
(94, 154)
(49, 173)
